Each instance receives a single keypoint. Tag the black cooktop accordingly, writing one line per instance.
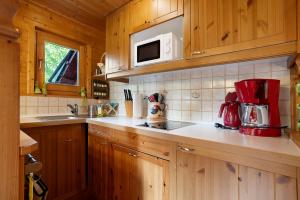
(167, 125)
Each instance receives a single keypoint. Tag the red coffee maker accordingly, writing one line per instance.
(259, 107)
(231, 112)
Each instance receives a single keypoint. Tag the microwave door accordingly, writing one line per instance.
(148, 53)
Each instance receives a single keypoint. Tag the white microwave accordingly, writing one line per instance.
(164, 47)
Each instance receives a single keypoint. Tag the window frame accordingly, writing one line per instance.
(52, 88)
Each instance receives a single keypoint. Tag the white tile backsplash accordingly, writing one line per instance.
(34, 105)
(196, 94)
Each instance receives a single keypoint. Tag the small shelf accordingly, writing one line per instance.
(104, 78)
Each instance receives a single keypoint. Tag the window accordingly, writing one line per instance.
(59, 64)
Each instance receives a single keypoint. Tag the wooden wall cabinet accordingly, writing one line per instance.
(146, 13)
(62, 153)
(215, 27)
(200, 177)
(117, 40)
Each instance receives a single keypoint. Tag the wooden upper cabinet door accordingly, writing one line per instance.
(139, 176)
(163, 8)
(140, 14)
(124, 26)
(263, 185)
(117, 40)
(222, 26)
(70, 160)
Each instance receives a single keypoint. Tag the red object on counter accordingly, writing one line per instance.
(260, 110)
(231, 111)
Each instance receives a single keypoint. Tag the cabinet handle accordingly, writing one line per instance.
(99, 133)
(103, 143)
(199, 52)
(185, 149)
(196, 52)
(132, 154)
(68, 140)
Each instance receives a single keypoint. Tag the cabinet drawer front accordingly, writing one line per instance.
(152, 146)
(101, 131)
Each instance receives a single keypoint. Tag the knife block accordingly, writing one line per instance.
(129, 108)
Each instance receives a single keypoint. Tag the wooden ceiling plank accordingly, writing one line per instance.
(91, 13)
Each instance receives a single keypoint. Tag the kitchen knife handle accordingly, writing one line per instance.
(130, 96)
(125, 94)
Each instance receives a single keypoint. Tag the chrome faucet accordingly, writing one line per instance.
(74, 109)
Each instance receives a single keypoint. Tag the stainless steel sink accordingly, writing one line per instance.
(62, 117)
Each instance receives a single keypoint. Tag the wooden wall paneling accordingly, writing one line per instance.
(89, 69)
(9, 123)
(298, 24)
(11, 184)
(31, 16)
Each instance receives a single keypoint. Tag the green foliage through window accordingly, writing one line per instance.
(54, 54)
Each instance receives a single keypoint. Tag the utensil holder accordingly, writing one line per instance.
(129, 108)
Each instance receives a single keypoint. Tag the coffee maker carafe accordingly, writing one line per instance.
(259, 107)
(230, 108)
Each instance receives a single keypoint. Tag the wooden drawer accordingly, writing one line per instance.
(152, 146)
(101, 131)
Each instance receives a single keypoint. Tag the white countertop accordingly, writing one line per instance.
(207, 132)
(204, 134)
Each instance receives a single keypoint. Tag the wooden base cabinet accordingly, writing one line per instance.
(62, 153)
(200, 177)
(122, 173)
(139, 176)
(99, 168)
